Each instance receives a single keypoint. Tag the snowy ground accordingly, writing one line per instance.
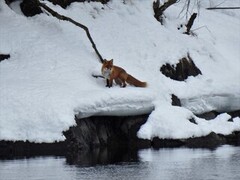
(48, 79)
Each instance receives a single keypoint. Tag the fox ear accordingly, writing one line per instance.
(111, 61)
(104, 61)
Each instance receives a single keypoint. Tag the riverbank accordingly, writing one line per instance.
(111, 133)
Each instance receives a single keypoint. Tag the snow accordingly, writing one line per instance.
(48, 79)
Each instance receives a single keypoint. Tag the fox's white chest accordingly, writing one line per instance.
(106, 73)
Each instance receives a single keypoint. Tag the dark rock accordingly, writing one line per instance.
(65, 3)
(234, 113)
(182, 71)
(142, 144)
(10, 149)
(176, 101)
(4, 56)
(160, 143)
(106, 131)
(83, 136)
(8, 2)
(208, 115)
(30, 8)
(192, 120)
(212, 140)
(213, 114)
(230, 120)
(233, 139)
(238, 139)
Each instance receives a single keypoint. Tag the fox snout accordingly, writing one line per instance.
(107, 69)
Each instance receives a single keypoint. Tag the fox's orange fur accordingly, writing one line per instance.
(119, 75)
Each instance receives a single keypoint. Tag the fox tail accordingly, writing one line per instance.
(133, 81)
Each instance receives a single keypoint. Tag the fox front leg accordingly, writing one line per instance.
(107, 83)
(110, 82)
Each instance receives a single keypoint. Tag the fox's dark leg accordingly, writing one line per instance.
(107, 81)
(123, 82)
(110, 82)
(118, 81)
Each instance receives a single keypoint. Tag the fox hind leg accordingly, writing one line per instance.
(123, 83)
(118, 81)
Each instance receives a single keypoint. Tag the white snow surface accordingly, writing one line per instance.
(48, 79)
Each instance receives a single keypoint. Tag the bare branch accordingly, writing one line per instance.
(213, 8)
(65, 18)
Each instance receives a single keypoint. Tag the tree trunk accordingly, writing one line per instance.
(159, 9)
(190, 23)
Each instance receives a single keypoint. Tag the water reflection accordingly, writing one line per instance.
(184, 163)
(102, 156)
(104, 164)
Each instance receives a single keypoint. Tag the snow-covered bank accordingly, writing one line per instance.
(207, 103)
(48, 79)
(120, 106)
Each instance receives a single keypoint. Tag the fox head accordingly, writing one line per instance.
(107, 64)
(107, 68)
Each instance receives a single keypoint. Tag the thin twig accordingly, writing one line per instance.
(211, 34)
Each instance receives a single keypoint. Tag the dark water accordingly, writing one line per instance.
(222, 163)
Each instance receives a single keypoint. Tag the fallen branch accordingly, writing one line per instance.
(98, 76)
(65, 18)
(213, 8)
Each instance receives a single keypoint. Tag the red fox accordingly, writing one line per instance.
(119, 75)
